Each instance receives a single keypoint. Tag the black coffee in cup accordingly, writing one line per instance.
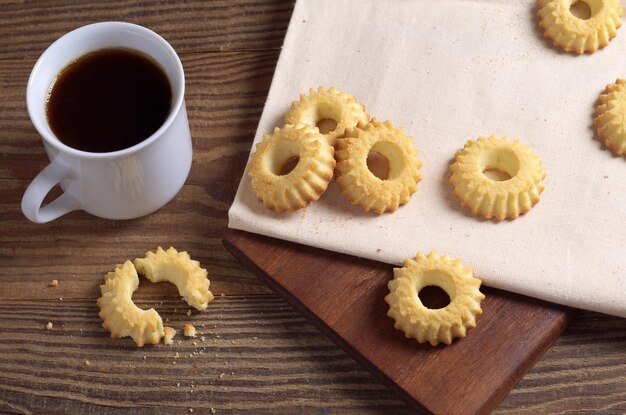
(108, 100)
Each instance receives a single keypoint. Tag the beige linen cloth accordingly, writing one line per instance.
(448, 71)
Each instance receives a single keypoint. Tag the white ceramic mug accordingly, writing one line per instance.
(121, 184)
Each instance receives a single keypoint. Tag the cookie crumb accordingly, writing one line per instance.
(188, 313)
(49, 326)
(87, 363)
(189, 330)
(190, 410)
(169, 335)
(54, 283)
(222, 375)
(212, 410)
(176, 356)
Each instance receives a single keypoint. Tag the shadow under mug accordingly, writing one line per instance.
(122, 184)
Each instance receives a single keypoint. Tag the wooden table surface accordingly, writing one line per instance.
(256, 354)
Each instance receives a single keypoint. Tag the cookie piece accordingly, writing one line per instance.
(189, 330)
(168, 337)
(119, 313)
(179, 269)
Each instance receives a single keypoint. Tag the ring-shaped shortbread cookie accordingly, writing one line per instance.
(119, 313)
(434, 325)
(610, 118)
(308, 179)
(330, 104)
(179, 269)
(575, 34)
(491, 198)
(359, 184)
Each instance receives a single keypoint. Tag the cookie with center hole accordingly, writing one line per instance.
(359, 184)
(295, 187)
(610, 118)
(332, 111)
(579, 26)
(514, 187)
(429, 325)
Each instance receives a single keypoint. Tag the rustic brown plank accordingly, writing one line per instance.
(344, 297)
(190, 26)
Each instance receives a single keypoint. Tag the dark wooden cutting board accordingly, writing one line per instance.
(344, 297)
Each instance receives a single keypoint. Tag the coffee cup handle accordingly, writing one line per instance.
(40, 187)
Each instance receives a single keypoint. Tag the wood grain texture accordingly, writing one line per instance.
(208, 26)
(229, 50)
(253, 354)
(273, 361)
